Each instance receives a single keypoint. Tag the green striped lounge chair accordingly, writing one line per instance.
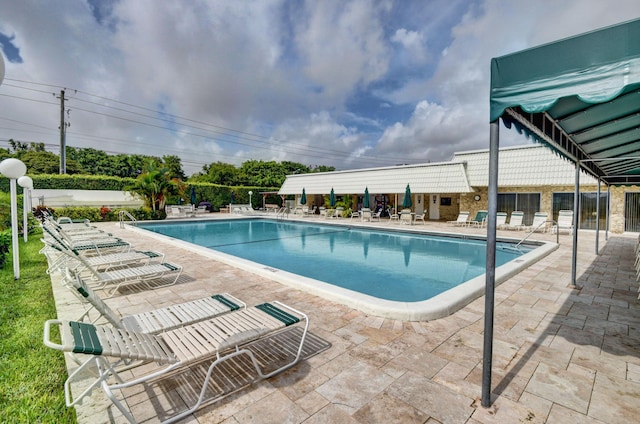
(222, 339)
(61, 256)
(154, 321)
(90, 247)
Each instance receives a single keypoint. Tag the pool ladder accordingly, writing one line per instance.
(122, 214)
(282, 213)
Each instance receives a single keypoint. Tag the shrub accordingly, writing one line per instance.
(5, 242)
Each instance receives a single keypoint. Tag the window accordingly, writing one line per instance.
(588, 204)
(529, 203)
(632, 212)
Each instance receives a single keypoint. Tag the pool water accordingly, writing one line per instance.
(389, 265)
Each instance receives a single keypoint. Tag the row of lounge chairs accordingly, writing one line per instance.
(540, 221)
(213, 331)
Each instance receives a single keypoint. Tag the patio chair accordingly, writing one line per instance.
(115, 277)
(154, 321)
(515, 222)
(376, 216)
(354, 214)
(91, 246)
(329, 213)
(419, 217)
(479, 221)
(565, 222)
(223, 338)
(501, 220)
(58, 260)
(539, 223)
(393, 216)
(463, 216)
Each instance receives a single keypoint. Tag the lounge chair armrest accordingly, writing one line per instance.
(47, 334)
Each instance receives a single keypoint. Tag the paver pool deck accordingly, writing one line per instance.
(562, 354)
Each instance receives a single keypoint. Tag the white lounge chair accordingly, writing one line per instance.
(565, 222)
(515, 222)
(58, 260)
(501, 219)
(539, 223)
(419, 217)
(223, 338)
(154, 321)
(115, 277)
(463, 216)
(89, 247)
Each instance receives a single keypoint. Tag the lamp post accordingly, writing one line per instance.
(13, 169)
(27, 184)
(250, 194)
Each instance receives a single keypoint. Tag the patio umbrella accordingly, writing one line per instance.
(193, 195)
(303, 199)
(233, 197)
(365, 201)
(406, 203)
(332, 198)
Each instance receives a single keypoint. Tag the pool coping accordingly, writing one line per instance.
(439, 306)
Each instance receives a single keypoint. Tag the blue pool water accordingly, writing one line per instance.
(389, 265)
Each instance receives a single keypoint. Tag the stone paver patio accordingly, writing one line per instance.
(561, 354)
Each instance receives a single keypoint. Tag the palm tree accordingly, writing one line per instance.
(154, 185)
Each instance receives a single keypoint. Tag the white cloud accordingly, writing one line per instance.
(290, 73)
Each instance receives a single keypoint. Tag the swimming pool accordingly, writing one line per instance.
(370, 269)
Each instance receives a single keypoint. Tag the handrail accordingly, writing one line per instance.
(282, 212)
(121, 216)
(536, 229)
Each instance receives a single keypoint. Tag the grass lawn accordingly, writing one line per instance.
(31, 375)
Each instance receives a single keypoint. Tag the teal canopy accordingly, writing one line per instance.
(303, 198)
(332, 198)
(580, 96)
(365, 200)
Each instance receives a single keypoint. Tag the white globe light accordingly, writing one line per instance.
(13, 168)
(25, 182)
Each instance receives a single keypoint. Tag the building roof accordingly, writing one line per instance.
(529, 165)
(424, 178)
(522, 166)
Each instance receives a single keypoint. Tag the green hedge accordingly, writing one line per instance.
(218, 195)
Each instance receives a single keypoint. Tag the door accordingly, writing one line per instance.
(419, 204)
(434, 206)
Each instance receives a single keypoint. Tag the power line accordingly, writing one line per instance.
(222, 134)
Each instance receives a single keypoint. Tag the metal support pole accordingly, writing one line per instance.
(576, 224)
(487, 354)
(14, 228)
(598, 220)
(606, 232)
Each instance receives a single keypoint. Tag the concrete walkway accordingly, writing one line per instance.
(561, 354)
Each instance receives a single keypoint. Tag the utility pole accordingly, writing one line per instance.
(63, 127)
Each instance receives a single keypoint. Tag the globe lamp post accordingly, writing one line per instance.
(250, 194)
(27, 184)
(13, 169)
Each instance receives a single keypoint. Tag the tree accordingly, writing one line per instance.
(154, 184)
(218, 173)
(175, 166)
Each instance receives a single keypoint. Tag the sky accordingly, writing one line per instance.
(349, 84)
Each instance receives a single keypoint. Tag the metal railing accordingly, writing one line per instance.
(536, 229)
(282, 213)
(122, 214)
